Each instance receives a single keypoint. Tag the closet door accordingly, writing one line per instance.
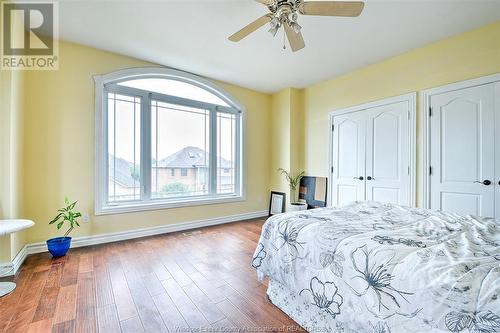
(348, 158)
(387, 154)
(462, 151)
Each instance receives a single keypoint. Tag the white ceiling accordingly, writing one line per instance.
(191, 35)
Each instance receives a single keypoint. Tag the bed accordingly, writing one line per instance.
(380, 268)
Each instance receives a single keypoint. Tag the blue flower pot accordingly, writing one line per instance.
(59, 246)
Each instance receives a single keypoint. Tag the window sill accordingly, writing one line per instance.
(130, 207)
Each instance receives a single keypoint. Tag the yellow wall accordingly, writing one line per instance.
(469, 55)
(280, 138)
(11, 166)
(288, 129)
(11, 158)
(297, 130)
(5, 140)
(287, 137)
(59, 147)
(17, 162)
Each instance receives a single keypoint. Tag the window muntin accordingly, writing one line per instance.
(180, 139)
(174, 88)
(226, 153)
(154, 120)
(124, 147)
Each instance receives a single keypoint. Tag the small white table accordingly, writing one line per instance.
(8, 227)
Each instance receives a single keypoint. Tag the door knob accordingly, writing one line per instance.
(370, 178)
(360, 177)
(484, 182)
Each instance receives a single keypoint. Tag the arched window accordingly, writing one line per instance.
(165, 138)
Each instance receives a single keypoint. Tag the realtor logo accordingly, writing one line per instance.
(29, 38)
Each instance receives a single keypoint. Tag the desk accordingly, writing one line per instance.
(8, 227)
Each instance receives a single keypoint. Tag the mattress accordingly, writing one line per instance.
(375, 267)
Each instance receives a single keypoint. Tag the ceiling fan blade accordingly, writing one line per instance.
(332, 8)
(239, 35)
(295, 39)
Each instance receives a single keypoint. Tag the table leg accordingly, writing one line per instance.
(6, 288)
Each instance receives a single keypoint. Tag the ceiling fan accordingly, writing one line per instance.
(285, 13)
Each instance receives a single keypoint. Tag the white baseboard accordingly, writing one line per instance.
(13, 266)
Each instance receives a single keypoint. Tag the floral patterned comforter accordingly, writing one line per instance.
(385, 268)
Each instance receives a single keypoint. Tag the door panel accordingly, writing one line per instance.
(461, 203)
(385, 145)
(462, 151)
(348, 131)
(347, 194)
(382, 194)
(465, 129)
(348, 158)
(387, 154)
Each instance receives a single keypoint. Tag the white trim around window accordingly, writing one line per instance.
(107, 83)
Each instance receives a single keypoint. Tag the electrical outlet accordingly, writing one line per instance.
(85, 218)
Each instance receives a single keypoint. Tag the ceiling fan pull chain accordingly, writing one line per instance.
(284, 41)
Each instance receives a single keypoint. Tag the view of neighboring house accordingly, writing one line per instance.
(122, 184)
(185, 171)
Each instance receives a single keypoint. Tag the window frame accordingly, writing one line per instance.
(184, 172)
(109, 83)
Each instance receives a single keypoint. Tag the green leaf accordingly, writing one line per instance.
(292, 181)
(70, 207)
(56, 218)
(66, 214)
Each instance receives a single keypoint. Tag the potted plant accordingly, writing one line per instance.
(59, 246)
(293, 182)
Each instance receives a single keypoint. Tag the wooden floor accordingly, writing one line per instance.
(176, 282)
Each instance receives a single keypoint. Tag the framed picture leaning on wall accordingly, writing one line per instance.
(277, 203)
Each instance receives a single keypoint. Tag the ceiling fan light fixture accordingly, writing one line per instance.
(274, 30)
(286, 13)
(296, 27)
